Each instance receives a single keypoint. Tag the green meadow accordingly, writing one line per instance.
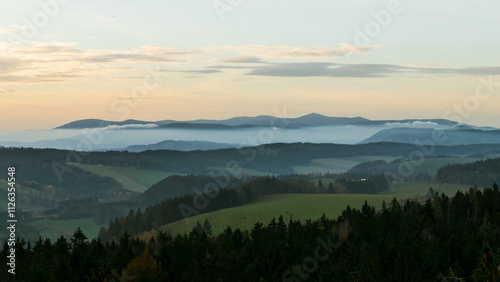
(296, 206)
(419, 189)
(132, 179)
(337, 165)
(304, 206)
(245, 171)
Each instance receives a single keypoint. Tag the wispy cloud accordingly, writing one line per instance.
(9, 29)
(60, 62)
(285, 51)
(45, 50)
(130, 126)
(415, 124)
(245, 60)
(487, 70)
(7, 91)
(323, 69)
(39, 63)
(209, 71)
(8, 64)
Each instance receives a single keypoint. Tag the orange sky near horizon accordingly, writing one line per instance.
(189, 61)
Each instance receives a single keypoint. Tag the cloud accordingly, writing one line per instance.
(38, 63)
(285, 51)
(7, 91)
(415, 124)
(117, 57)
(245, 60)
(209, 71)
(323, 69)
(359, 50)
(59, 62)
(9, 64)
(42, 50)
(148, 53)
(130, 126)
(489, 70)
(230, 67)
(10, 29)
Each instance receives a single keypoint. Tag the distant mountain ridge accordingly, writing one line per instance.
(180, 146)
(99, 123)
(459, 135)
(309, 120)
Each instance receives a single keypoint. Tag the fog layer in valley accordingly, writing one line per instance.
(122, 138)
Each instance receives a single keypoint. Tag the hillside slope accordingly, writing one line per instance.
(438, 137)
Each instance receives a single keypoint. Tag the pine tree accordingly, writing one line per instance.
(330, 188)
(207, 227)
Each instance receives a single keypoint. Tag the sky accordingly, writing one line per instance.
(64, 60)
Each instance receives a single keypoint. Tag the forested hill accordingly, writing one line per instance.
(461, 135)
(206, 200)
(481, 173)
(177, 186)
(443, 239)
(36, 171)
(272, 158)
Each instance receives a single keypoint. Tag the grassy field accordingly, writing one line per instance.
(133, 179)
(337, 165)
(52, 229)
(246, 171)
(297, 206)
(419, 189)
(304, 206)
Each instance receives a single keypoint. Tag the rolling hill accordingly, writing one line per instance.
(448, 137)
(96, 123)
(303, 207)
(180, 146)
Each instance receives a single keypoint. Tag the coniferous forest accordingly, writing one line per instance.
(442, 239)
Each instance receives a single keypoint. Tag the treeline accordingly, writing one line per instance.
(180, 190)
(442, 239)
(176, 186)
(170, 187)
(372, 184)
(276, 158)
(182, 207)
(480, 173)
(50, 178)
